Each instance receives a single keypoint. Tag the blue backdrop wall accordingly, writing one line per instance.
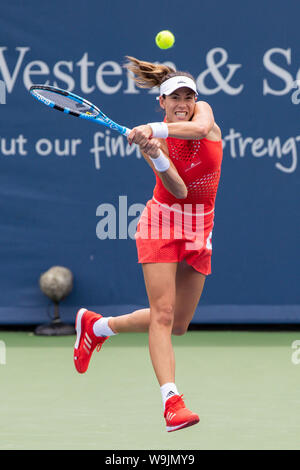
(60, 177)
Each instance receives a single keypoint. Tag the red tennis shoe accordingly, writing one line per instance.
(86, 340)
(177, 415)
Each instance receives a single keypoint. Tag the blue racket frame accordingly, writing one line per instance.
(99, 118)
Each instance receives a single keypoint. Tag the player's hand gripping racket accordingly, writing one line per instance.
(74, 105)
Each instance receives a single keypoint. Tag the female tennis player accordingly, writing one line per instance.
(174, 232)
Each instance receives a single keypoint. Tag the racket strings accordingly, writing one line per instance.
(68, 102)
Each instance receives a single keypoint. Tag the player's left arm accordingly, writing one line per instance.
(198, 127)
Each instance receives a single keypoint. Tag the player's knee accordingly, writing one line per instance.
(179, 330)
(163, 314)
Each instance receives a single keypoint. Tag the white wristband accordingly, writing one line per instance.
(159, 129)
(161, 163)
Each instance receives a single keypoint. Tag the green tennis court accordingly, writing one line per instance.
(243, 384)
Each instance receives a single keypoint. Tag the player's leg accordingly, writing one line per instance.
(134, 322)
(160, 286)
(92, 329)
(160, 282)
(189, 287)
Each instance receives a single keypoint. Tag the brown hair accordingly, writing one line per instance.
(150, 75)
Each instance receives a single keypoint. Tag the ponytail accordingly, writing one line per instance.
(147, 74)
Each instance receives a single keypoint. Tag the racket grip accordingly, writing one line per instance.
(127, 131)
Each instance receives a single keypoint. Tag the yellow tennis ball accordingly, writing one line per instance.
(165, 39)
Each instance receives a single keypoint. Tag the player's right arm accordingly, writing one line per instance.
(170, 178)
(151, 148)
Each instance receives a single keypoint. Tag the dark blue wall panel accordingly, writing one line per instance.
(246, 59)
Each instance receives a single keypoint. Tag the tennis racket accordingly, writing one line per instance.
(74, 105)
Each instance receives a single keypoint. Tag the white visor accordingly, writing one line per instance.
(172, 84)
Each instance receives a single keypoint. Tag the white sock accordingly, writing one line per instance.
(167, 391)
(101, 327)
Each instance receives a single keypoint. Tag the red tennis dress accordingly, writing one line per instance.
(170, 229)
